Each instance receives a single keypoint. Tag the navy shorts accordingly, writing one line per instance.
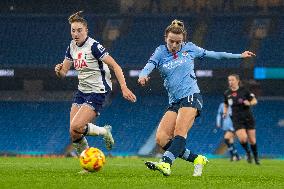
(194, 101)
(93, 100)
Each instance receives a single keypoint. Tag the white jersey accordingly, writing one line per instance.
(93, 74)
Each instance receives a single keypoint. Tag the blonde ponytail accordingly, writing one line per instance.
(76, 17)
(176, 27)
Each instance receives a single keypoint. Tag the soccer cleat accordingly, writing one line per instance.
(238, 158)
(108, 137)
(235, 158)
(164, 168)
(199, 163)
(249, 158)
(256, 161)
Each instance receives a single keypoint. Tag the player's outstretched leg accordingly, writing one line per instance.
(80, 145)
(163, 167)
(175, 148)
(94, 130)
(108, 137)
(199, 164)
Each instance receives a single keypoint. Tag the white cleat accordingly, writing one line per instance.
(199, 163)
(108, 137)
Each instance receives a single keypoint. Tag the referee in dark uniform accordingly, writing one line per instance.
(241, 99)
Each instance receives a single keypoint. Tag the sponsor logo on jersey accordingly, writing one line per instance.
(100, 48)
(79, 62)
(174, 64)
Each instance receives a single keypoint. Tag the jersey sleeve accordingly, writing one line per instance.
(98, 51)
(147, 70)
(68, 54)
(198, 51)
(248, 95)
(221, 55)
(156, 56)
(152, 63)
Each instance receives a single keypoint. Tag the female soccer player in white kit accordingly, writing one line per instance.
(92, 62)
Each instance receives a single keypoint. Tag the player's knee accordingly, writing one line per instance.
(73, 135)
(252, 141)
(243, 139)
(162, 139)
(76, 128)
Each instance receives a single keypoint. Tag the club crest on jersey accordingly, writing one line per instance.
(184, 53)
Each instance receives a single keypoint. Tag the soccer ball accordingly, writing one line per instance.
(92, 159)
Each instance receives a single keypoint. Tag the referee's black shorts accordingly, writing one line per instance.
(246, 122)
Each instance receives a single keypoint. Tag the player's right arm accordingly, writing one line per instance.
(143, 76)
(150, 66)
(62, 68)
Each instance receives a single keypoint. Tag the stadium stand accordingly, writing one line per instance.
(42, 127)
(37, 36)
(34, 127)
(133, 47)
(270, 51)
(225, 34)
(41, 43)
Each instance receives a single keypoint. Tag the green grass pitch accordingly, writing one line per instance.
(132, 173)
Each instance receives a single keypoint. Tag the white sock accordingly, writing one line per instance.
(94, 130)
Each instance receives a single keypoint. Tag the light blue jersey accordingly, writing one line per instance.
(177, 70)
(225, 123)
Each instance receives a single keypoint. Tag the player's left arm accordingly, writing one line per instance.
(225, 55)
(127, 93)
(100, 53)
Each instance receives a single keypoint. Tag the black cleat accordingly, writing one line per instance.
(150, 165)
(235, 158)
(249, 158)
(238, 158)
(257, 161)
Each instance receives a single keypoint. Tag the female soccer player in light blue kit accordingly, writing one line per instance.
(175, 62)
(227, 126)
(92, 62)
